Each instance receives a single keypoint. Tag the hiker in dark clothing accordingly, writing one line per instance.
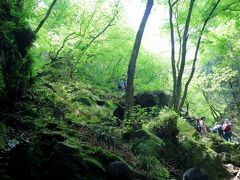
(217, 128)
(198, 127)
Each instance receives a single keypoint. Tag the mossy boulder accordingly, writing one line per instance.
(149, 149)
(229, 152)
(151, 98)
(185, 128)
(196, 154)
(165, 126)
(54, 155)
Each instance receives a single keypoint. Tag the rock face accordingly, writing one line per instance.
(51, 155)
(150, 99)
(118, 170)
(119, 112)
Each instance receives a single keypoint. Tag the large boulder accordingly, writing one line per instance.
(145, 100)
(118, 170)
(194, 153)
(119, 112)
(55, 155)
(150, 99)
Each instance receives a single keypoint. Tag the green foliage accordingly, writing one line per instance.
(107, 136)
(220, 62)
(138, 117)
(217, 81)
(106, 59)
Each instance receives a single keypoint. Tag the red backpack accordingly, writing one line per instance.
(226, 127)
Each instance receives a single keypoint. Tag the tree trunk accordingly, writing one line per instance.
(174, 75)
(178, 89)
(132, 63)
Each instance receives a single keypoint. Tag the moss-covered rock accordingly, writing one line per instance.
(149, 150)
(229, 152)
(55, 155)
(150, 99)
(196, 154)
(165, 126)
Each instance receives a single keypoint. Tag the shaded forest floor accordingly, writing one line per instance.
(66, 129)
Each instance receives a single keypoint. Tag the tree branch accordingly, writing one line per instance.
(45, 18)
(92, 41)
(63, 44)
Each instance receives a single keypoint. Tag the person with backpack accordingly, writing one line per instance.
(227, 130)
(217, 128)
(122, 85)
(198, 127)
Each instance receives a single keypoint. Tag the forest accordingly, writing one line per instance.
(120, 89)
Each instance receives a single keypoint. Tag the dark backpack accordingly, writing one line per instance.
(220, 129)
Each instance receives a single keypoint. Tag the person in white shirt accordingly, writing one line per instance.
(202, 125)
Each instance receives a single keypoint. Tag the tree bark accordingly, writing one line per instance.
(179, 38)
(173, 62)
(45, 18)
(132, 63)
(178, 89)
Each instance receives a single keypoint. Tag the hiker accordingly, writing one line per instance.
(217, 128)
(122, 85)
(227, 130)
(198, 127)
(202, 126)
